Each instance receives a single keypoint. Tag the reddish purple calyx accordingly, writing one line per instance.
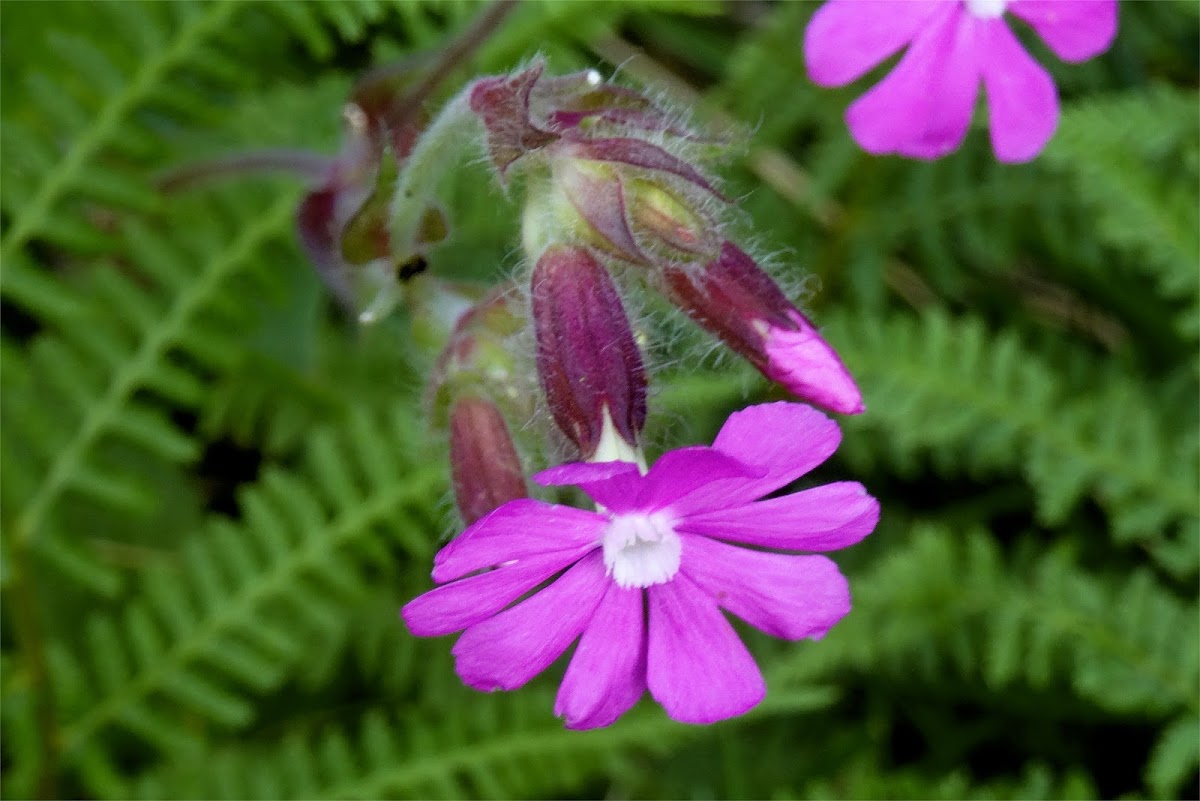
(483, 460)
(589, 364)
(737, 301)
(503, 105)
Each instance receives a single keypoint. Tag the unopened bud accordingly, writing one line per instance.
(483, 460)
(737, 301)
(477, 358)
(503, 105)
(588, 362)
(635, 201)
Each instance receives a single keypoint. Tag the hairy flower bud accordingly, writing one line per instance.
(735, 300)
(477, 358)
(526, 111)
(483, 460)
(610, 186)
(635, 201)
(589, 365)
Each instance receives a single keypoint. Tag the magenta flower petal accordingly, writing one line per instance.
(584, 473)
(804, 364)
(613, 485)
(607, 674)
(823, 518)
(1022, 100)
(847, 38)
(923, 107)
(788, 439)
(1075, 30)
(697, 667)
(506, 651)
(454, 607)
(517, 530)
(792, 597)
(681, 478)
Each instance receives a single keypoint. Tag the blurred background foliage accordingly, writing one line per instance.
(217, 491)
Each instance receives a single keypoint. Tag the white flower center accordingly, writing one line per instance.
(641, 550)
(986, 9)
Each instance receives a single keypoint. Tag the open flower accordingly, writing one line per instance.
(642, 581)
(923, 107)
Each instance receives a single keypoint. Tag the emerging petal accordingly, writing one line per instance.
(823, 518)
(516, 530)
(607, 674)
(1075, 30)
(788, 439)
(1022, 100)
(697, 668)
(803, 363)
(464, 603)
(792, 597)
(846, 38)
(923, 107)
(506, 651)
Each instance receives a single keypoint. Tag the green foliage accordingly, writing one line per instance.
(980, 402)
(216, 492)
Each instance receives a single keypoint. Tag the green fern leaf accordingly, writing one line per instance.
(1176, 756)
(969, 397)
(235, 614)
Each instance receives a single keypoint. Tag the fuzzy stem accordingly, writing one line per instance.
(303, 163)
(417, 183)
(426, 164)
(458, 50)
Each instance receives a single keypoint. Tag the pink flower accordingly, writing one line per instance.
(922, 107)
(643, 580)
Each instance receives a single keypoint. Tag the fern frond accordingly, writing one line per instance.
(175, 59)
(968, 396)
(246, 599)
(92, 129)
(1124, 647)
(134, 331)
(1125, 154)
(504, 745)
(868, 779)
(1175, 757)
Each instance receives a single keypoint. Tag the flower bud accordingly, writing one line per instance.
(477, 358)
(588, 362)
(735, 300)
(503, 105)
(526, 111)
(484, 464)
(635, 201)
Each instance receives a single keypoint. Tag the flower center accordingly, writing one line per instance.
(986, 9)
(641, 550)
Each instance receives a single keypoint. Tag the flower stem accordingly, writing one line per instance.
(303, 163)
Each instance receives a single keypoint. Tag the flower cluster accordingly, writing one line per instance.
(600, 191)
(641, 581)
(611, 181)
